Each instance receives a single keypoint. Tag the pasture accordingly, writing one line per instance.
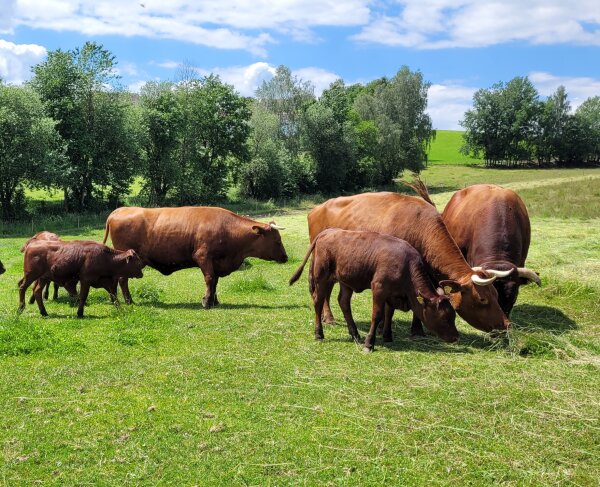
(445, 149)
(164, 392)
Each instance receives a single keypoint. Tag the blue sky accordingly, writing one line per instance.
(459, 45)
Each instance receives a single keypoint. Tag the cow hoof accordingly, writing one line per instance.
(319, 338)
(367, 349)
(44, 313)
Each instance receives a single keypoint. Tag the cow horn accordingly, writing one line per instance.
(494, 272)
(526, 273)
(276, 227)
(481, 281)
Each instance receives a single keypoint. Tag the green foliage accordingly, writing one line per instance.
(589, 115)
(212, 138)
(404, 131)
(30, 148)
(509, 125)
(79, 89)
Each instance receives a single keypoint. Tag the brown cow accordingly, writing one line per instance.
(93, 264)
(491, 227)
(52, 237)
(390, 267)
(412, 219)
(2, 269)
(214, 239)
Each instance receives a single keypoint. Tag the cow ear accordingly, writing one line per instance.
(450, 286)
(258, 230)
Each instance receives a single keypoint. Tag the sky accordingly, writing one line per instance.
(458, 45)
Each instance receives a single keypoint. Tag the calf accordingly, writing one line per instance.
(393, 270)
(52, 237)
(91, 263)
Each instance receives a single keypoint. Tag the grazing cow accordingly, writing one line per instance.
(491, 227)
(214, 239)
(93, 264)
(52, 237)
(2, 269)
(390, 267)
(416, 221)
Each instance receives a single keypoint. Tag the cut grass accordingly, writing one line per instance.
(165, 392)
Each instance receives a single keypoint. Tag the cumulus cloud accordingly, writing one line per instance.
(578, 89)
(447, 104)
(16, 60)
(246, 79)
(431, 24)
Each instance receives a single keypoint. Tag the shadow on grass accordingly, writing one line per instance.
(198, 305)
(546, 318)
(404, 342)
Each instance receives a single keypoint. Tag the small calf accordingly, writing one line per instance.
(91, 263)
(390, 267)
(52, 237)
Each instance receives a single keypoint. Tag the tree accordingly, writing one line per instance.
(589, 115)
(161, 118)
(212, 140)
(286, 96)
(30, 148)
(79, 89)
(404, 130)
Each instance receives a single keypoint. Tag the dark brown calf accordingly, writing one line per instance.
(390, 267)
(91, 263)
(52, 237)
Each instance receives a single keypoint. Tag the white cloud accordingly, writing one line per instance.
(227, 24)
(246, 79)
(16, 60)
(430, 24)
(447, 104)
(136, 86)
(578, 88)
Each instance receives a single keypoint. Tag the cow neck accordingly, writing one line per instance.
(441, 252)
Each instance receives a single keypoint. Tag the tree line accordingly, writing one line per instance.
(74, 129)
(509, 125)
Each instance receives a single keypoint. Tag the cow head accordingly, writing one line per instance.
(133, 265)
(476, 301)
(508, 280)
(439, 316)
(2, 269)
(268, 245)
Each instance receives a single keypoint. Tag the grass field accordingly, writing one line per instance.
(445, 149)
(164, 392)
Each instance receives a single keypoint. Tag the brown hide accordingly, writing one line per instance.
(214, 239)
(387, 265)
(92, 263)
(48, 236)
(412, 219)
(491, 227)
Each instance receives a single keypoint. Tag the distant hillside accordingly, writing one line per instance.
(445, 149)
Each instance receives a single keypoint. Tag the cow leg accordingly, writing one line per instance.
(387, 324)
(210, 279)
(344, 299)
(327, 314)
(32, 298)
(124, 283)
(39, 296)
(23, 285)
(84, 290)
(47, 291)
(318, 301)
(215, 282)
(416, 329)
(55, 297)
(376, 316)
(111, 288)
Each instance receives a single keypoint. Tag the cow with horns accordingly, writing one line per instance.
(214, 239)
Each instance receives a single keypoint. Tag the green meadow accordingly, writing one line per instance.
(445, 149)
(166, 393)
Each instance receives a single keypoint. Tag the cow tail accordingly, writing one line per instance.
(419, 187)
(106, 231)
(298, 272)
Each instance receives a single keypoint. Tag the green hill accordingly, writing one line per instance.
(445, 149)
